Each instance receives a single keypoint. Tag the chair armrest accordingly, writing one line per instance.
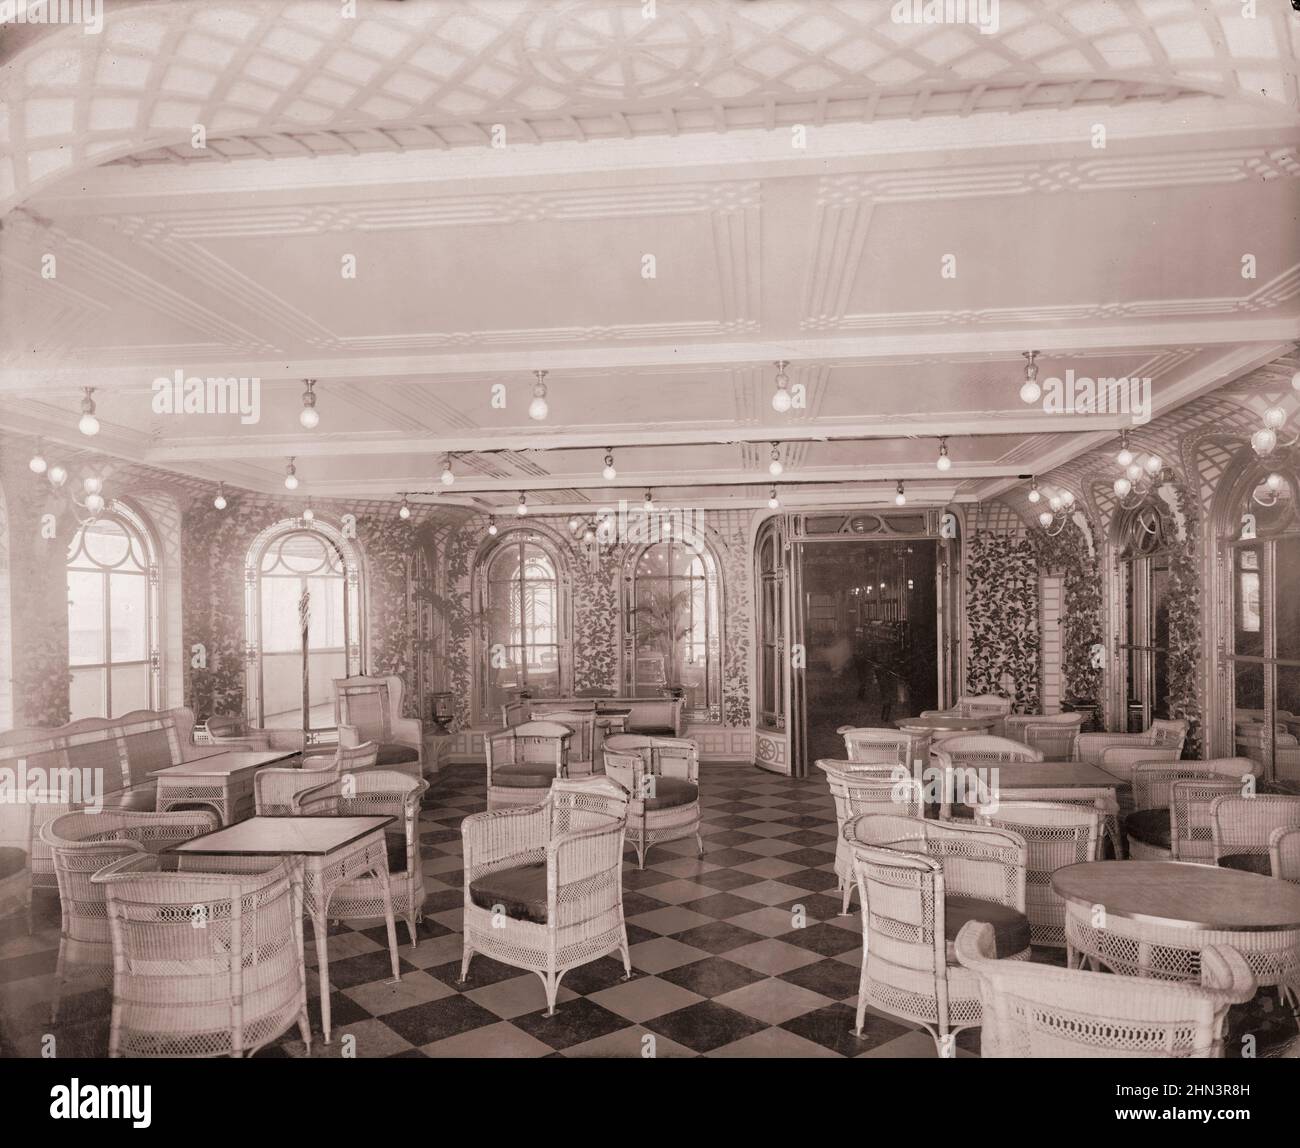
(275, 787)
(317, 800)
(349, 735)
(409, 731)
(625, 769)
(1091, 745)
(490, 839)
(575, 858)
(1119, 760)
(1224, 971)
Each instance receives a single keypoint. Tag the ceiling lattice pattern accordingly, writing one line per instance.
(297, 78)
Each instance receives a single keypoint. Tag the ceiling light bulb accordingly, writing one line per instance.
(1275, 418)
(1045, 518)
(1034, 496)
(492, 527)
(1054, 502)
(781, 400)
(1295, 381)
(1125, 457)
(609, 473)
(89, 424)
(943, 462)
(772, 500)
(589, 534)
(574, 523)
(775, 468)
(37, 465)
(57, 475)
(1134, 472)
(92, 484)
(900, 499)
(94, 503)
(1123, 487)
(538, 409)
(1264, 441)
(308, 514)
(1030, 391)
(648, 503)
(448, 475)
(290, 476)
(1067, 498)
(1154, 464)
(309, 417)
(522, 508)
(404, 511)
(1274, 482)
(220, 501)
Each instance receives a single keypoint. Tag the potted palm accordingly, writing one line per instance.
(663, 622)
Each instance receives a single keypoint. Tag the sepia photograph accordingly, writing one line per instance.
(649, 530)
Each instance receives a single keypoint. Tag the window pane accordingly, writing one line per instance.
(1248, 623)
(280, 633)
(325, 630)
(85, 617)
(130, 689)
(128, 614)
(86, 694)
(105, 543)
(1250, 731)
(1288, 723)
(1286, 597)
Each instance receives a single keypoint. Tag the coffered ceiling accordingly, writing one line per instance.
(897, 210)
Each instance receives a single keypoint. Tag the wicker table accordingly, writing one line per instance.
(1152, 919)
(327, 852)
(946, 726)
(223, 781)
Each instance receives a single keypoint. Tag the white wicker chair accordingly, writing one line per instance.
(523, 760)
(370, 709)
(581, 760)
(978, 705)
(919, 881)
(885, 746)
(1055, 835)
(662, 779)
(976, 751)
(376, 793)
(544, 884)
(1040, 1011)
(1241, 828)
(1148, 829)
(857, 788)
(1117, 753)
(82, 843)
(1284, 854)
(276, 787)
(1055, 736)
(204, 964)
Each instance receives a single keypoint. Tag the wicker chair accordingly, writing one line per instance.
(1055, 835)
(919, 882)
(1040, 1011)
(275, 787)
(1148, 829)
(370, 709)
(1053, 735)
(204, 964)
(582, 745)
(81, 844)
(859, 788)
(662, 779)
(1284, 854)
(544, 884)
(1241, 829)
(974, 751)
(376, 793)
(885, 746)
(978, 705)
(1118, 753)
(523, 760)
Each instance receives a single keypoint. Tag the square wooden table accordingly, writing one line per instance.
(326, 853)
(222, 781)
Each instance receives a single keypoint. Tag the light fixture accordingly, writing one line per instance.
(1123, 487)
(609, 473)
(37, 463)
(309, 416)
(1275, 418)
(492, 526)
(1053, 517)
(522, 508)
(89, 424)
(92, 484)
(1045, 518)
(404, 511)
(1034, 494)
(574, 523)
(1295, 381)
(1125, 456)
(290, 476)
(538, 409)
(775, 467)
(1264, 441)
(448, 475)
(781, 400)
(308, 514)
(1154, 464)
(943, 462)
(94, 503)
(220, 501)
(772, 501)
(648, 503)
(1134, 472)
(57, 475)
(1274, 482)
(900, 499)
(1067, 497)
(589, 532)
(1055, 503)
(1030, 391)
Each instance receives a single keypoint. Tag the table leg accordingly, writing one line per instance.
(320, 930)
(381, 871)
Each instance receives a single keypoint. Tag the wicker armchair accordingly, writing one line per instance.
(1055, 835)
(1117, 753)
(523, 760)
(80, 845)
(919, 882)
(978, 705)
(204, 964)
(1053, 735)
(1040, 1011)
(885, 746)
(275, 787)
(1148, 829)
(1241, 828)
(1284, 854)
(544, 884)
(662, 778)
(582, 745)
(859, 788)
(975, 751)
(376, 793)
(370, 709)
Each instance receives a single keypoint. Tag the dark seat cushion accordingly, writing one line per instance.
(671, 792)
(521, 892)
(1248, 863)
(1150, 826)
(524, 776)
(396, 843)
(1010, 928)
(390, 753)
(653, 730)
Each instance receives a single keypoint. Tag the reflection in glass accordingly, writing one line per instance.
(522, 623)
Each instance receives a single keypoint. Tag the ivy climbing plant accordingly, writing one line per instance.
(1002, 619)
(1082, 643)
(1184, 604)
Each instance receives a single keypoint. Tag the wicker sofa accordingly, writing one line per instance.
(654, 717)
(123, 751)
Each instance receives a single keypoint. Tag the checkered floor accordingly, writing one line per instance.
(720, 968)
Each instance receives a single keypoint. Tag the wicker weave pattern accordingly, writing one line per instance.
(1055, 835)
(369, 709)
(1039, 1011)
(578, 832)
(1166, 736)
(1153, 783)
(276, 788)
(581, 745)
(633, 760)
(1190, 835)
(1247, 824)
(1284, 854)
(528, 742)
(204, 964)
(885, 746)
(1053, 735)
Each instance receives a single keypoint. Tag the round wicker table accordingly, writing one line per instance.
(1153, 918)
(946, 726)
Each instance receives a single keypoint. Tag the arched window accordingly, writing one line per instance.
(1141, 543)
(771, 626)
(523, 635)
(113, 616)
(304, 624)
(672, 636)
